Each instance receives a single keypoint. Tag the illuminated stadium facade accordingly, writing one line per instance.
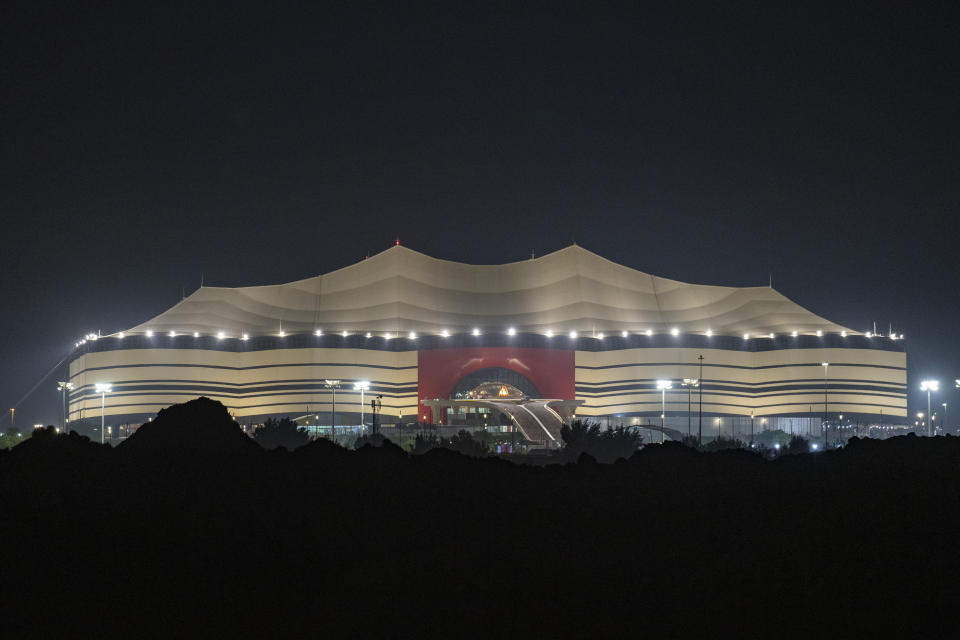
(571, 329)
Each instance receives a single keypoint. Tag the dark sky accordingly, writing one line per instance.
(141, 147)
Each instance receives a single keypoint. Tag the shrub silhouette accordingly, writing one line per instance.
(284, 432)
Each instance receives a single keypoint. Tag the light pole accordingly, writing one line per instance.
(943, 422)
(663, 385)
(826, 427)
(333, 385)
(63, 387)
(103, 388)
(689, 383)
(751, 429)
(929, 386)
(362, 385)
(700, 397)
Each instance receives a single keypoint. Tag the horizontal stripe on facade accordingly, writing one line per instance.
(759, 406)
(731, 386)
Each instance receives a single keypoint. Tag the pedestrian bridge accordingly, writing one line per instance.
(538, 420)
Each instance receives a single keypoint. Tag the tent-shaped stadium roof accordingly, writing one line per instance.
(401, 290)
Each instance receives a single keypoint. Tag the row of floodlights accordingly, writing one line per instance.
(511, 331)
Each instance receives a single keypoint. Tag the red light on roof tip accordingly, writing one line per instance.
(397, 242)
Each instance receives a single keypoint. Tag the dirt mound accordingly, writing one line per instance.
(202, 424)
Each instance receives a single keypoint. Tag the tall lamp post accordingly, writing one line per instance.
(943, 422)
(700, 398)
(929, 386)
(826, 426)
(63, 387)
(333, 385)
(689, 383)
(103, 388)
(362, 385)
(663, 385)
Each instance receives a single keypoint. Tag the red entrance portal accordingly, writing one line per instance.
(439, 370)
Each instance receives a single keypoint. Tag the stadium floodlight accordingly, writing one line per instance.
(196, 334)
(771, 335)
(412, 335)
(388, 335)
(573, 335)
(317, 332)
(869, 334)
(549, 333)
(344, 333)
(361, 385)
(793, 334)
(511, 331)
(220, 335)
(173, 334)
(663, 385)
(245, 336)
(746, 336)
(368, 335)
(121, 335)
(149, 333)
(649, 332)
(929, 386)
(709, 332)
(333, 385)
(819, 333)
(476, 331)
(600, 336)
(843, 334)
(674, 331)
(103, 388)
(445, 333)
(623, 334)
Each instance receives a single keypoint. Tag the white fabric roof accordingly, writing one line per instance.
(401, 290)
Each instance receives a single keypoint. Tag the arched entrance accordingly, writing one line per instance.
(494, 383)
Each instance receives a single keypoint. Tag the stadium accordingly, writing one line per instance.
(518, 347)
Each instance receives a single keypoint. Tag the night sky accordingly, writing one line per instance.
(142, 147)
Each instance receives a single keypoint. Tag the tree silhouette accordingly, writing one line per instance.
(606, 446)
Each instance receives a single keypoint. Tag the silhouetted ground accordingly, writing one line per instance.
(161, 538)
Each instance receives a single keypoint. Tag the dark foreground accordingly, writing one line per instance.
(155, 538)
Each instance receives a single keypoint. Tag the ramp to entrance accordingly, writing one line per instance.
(537, 420)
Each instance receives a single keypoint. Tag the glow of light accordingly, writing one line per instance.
(196, 335)
(771, 336)
(674, 331)
(709, 332)
(103, 387)
(368, 334)
(814, 446)
(824, 364)
(511, 331)
(282, 334)
(412, 335)
(573, 334)
(649, 332)
(664, 384)
(843, 334)
(623, 334)
(746, 336)
(246, 336)
(344, 333)
(318, 333)
(476, 331)
(388, 335)
(600, 336)
(793, 334)
(930, 385)
(173, 334)
(121, 335)
(869, 334)
(549, 333)
(220, 335)
(445, 333)
(361, 384)
(819, 333)
(777, 446)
